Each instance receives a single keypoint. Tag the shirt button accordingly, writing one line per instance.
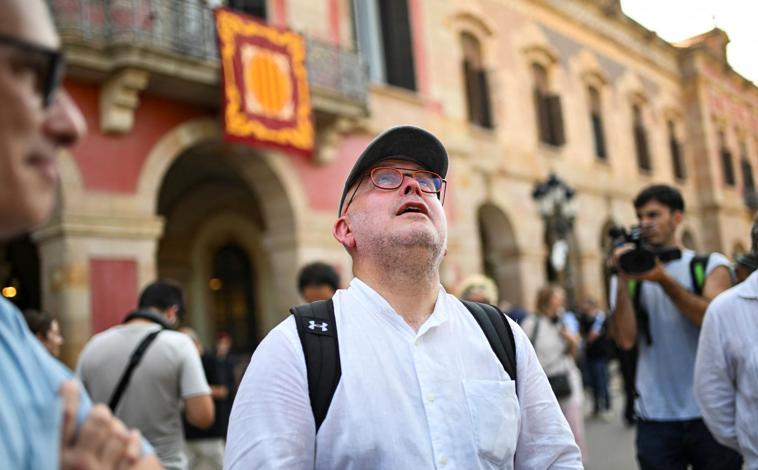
(430, 397)
(417, 342)
(442, 460)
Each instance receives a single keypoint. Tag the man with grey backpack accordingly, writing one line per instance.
(394, 372)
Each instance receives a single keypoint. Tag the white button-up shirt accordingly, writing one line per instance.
(726, 369)
(436, 398)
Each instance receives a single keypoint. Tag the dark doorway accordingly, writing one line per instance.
(20, 273)
(232, 296)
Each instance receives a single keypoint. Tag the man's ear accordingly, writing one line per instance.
(677, 217)
(343, 232)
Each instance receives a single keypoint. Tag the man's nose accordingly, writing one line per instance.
(64, 123)
(411, 185)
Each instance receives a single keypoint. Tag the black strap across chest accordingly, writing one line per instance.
(317, 330)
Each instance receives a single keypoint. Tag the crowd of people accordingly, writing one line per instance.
(391, 371)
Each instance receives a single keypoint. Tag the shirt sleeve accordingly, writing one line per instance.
(271, 425)
(545, 440)
(192, 380)
(714, 378)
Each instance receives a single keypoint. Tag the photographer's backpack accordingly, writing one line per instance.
(698, 266)
(318, 334)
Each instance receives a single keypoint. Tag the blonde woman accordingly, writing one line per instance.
(556, 348)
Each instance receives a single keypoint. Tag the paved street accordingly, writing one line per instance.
(610, 442)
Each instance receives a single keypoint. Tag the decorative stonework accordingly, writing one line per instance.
(119, 99)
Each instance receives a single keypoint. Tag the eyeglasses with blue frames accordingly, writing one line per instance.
(47, 64)
(390, 178)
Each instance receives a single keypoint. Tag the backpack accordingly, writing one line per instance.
(318, 335)
(698, 266)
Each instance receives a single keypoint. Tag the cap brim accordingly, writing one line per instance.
(404, 142)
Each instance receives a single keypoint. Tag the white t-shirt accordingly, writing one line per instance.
(438, 397)
(170, 372)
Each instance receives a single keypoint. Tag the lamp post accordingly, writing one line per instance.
(557, 207)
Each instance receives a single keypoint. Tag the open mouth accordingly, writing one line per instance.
(412, 208)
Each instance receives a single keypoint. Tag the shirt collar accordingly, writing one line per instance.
(373, 301)
(748, 289)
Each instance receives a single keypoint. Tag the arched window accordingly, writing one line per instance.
(548, 108)
(476, 82)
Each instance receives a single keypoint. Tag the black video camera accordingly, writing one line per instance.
(641, 258)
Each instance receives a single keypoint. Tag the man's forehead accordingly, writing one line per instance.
(28, 20)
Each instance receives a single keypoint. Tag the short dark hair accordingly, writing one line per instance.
(39, 322)
(162, 295)
(662, 193)
(318, 274)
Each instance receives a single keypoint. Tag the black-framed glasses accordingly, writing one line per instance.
(390, 178)
(48, 64)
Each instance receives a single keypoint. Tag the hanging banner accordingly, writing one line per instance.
(265, 84)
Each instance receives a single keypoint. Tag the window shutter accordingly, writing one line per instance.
(728, 167)
(677, 159)
(398, 44)
(599, 135)
(485, 117)
(471, 98)
(643, 155)
(543, 118)
(747, 175)
(557, 135)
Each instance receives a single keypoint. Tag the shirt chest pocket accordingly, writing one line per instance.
(495, 418)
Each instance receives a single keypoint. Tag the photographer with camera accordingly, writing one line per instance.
(659, 305)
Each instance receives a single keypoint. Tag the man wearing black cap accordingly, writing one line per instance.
(420, 385)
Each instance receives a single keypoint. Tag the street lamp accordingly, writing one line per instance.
(557, 207)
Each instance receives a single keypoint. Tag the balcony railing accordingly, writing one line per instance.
(186, 28)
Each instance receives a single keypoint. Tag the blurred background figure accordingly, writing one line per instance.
(597, 350)
(45, 327)
(205, 447)
(556, 348)
(744, 265)
(478, 288)
(318, 281)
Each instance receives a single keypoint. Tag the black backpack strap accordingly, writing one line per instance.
(498, 332)
(698, 270)
(134, 361)
(318, 334)
(640, 312)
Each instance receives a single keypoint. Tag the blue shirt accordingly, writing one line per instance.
(31, 410)
(666, 367)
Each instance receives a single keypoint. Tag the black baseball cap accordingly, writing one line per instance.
(405, 143)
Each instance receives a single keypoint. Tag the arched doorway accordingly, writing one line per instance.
(220, 265)
(500, 254)
(20, 273)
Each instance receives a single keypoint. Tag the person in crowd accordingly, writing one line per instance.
(556, 347)
(46, 421)
(318, 281)
(660, 311)
(726, 366)
(597, 350)
(45, 327)
(205, 447)
(419, 384)
(744, 266)
(168, 376)
(479, 288)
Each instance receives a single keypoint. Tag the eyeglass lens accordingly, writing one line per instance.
(392, 178)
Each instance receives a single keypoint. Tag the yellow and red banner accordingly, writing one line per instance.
(265, 84)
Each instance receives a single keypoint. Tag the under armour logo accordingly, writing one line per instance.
(312, 326)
